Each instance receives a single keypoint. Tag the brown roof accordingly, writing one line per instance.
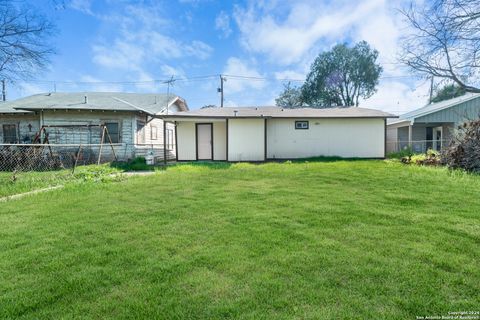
(278, 112)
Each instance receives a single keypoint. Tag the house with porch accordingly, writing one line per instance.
(131, 120)
(432, 126)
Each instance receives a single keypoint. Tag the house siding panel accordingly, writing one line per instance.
(186, 144)
(362, 138)
(219, 141)
(246, 139)
(455, 114)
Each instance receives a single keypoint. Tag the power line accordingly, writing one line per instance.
(181, 79)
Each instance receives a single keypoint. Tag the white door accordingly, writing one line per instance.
(204, 141)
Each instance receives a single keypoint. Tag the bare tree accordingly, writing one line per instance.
(445, 41)
(24, 46)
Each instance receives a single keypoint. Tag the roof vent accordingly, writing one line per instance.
(86, 100)
(282, 109)
(235, 112)
(256, 108)
(155, 99)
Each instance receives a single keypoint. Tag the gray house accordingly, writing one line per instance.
(432, 126)
(131, 120)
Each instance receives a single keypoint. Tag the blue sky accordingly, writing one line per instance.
(132, 43)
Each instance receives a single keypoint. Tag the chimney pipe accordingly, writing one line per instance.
(86, 100)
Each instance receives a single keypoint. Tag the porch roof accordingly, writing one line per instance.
(432, 108)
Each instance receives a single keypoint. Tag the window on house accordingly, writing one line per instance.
(153, 132)
(302, 125)
(169, 139)
(140, 132)
(113, 130)
(9, 133)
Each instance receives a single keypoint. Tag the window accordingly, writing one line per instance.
(140, 132)
(169, 139)
(9, 133)
(153, 132)
(302, 125)
(113, 131)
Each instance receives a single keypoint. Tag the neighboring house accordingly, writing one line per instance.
(432, 126)
(78, 118)
(264, 133)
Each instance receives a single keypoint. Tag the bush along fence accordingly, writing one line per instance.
(46, 157)
(417, 146)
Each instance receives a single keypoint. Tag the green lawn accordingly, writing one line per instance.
(327, 240)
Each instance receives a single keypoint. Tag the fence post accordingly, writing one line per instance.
(164, 144)
(76, 158)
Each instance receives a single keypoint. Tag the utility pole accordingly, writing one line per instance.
(168, 82)
(4, 91)
(220, 90)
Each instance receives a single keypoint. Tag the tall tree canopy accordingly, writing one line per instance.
(291, 97)
(24, 46)
(341, 76)
(445, 41)
(448, 91)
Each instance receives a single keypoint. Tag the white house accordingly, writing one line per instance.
(77, 118)
(267, 133)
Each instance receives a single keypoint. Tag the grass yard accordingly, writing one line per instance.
(326, 240)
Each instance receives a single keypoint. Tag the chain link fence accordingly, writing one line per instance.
(45, 157)
(417, 146)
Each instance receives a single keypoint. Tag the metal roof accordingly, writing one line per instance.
(149, 103)
(278, 112)
(435, 107)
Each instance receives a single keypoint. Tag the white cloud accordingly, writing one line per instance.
(28, 89)
(222, 23)
(305, 26)
(84, 6)
(238, 67)
(168, 70)
(198, 49)
(141, 40)
(289, 75)
(101, 86)
(398, 97)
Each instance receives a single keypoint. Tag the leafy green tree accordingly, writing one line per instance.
(291, 97)
(341, 76)
(448, 92)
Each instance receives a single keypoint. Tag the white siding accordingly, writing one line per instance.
(246, 139)
(186, 140)
(362, 138)
(219, 141)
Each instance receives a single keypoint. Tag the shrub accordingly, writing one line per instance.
(407, 152)
(431, 158)
(137, 164)
(464, 150)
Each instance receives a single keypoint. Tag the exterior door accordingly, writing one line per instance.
(140, 132)
(437, 142)
(204, 141)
